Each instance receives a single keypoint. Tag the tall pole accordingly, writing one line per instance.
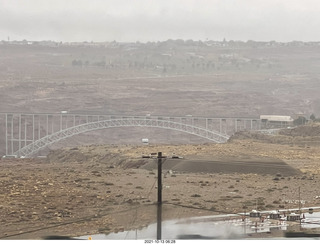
(299, 207)
(159, 177)
(159, 208)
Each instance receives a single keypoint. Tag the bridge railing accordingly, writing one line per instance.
(27, 133)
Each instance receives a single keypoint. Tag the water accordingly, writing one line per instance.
(190, 229)
(311, 220)
(208, 227)
(176, 230)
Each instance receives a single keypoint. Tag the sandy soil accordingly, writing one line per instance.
(103, 189)
(42, 79)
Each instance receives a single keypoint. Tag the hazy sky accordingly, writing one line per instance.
(153, 20)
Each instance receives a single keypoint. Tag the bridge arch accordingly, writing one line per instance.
(45, 141)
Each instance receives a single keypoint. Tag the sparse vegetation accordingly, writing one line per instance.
(195, 195)
(98, 79)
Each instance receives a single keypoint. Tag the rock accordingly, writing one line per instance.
(195, 195)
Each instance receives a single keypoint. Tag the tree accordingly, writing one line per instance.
(77, 62)
(312, 117)
(300, 121)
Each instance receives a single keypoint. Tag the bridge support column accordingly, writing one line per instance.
(19, 137)
(12, 134)
(26, 134)
(6, 134)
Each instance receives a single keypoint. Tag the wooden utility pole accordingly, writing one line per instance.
(159, 208)
(299, 208)
(159, 177)
(159, 203)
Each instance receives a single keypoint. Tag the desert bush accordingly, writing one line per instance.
(195, 195)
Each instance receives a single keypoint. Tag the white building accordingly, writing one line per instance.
(276, 120)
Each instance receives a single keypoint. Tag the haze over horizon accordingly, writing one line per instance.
(151, 20)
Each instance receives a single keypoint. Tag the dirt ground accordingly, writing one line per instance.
(110, 188)
(43, 79)
(83, 190)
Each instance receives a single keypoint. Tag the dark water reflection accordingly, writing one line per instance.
(209, 227)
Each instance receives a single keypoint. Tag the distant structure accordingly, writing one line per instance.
(293, 217)
(276, 120)
(255, 214)
(145, 141)
(275, 215)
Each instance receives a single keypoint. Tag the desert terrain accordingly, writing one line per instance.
(172, 78)
(109, 188)
(98, 182)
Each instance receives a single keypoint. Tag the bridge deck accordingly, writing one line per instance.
(26, 134)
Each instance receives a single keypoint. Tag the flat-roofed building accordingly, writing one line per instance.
(276, 120)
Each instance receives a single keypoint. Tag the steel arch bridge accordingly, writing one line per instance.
(26, 134)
